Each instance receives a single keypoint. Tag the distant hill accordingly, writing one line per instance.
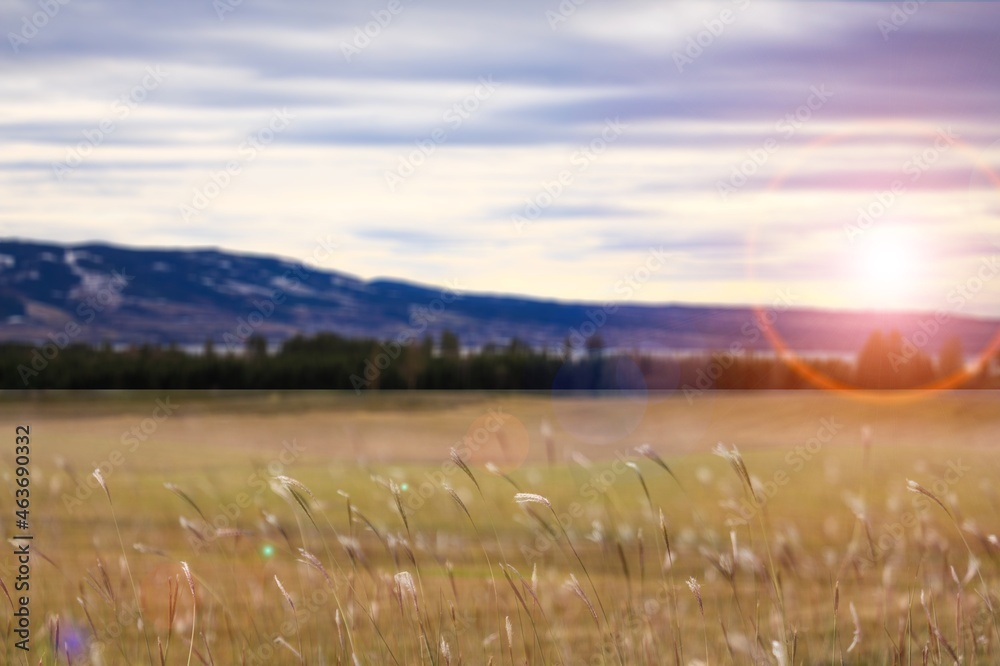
(185, 296)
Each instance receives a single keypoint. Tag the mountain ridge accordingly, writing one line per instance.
(186, 295)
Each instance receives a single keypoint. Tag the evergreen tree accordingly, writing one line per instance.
(450, 347)
(871, 365)
(951, 358)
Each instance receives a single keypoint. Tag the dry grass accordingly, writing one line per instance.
(587, 559)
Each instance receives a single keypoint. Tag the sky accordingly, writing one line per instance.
(834, 155)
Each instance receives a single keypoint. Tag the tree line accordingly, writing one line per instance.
(328, 361)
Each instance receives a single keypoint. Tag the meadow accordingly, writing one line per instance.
(496, 528)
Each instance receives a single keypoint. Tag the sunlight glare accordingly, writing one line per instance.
(888, 261)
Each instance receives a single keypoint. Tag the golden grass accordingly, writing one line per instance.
(334, 556)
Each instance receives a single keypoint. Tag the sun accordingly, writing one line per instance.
(887, 261)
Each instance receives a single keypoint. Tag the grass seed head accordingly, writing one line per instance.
(457, 459)
(532, 498)
(445, 651)
(574, 585)
(190, 578)
(100, 480)
(735, 461)
(292, 483)
(915, 487)
(695, 588)
(857, 628)
(314, 562)
(288, 597)
(456, 499)
(405, 581)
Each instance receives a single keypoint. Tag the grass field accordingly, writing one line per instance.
(319, 528)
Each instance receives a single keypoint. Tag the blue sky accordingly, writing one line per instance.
(525, 147)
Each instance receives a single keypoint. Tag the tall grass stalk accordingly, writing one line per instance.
(128, 568)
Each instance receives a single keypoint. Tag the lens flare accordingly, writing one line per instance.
(888, 262)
